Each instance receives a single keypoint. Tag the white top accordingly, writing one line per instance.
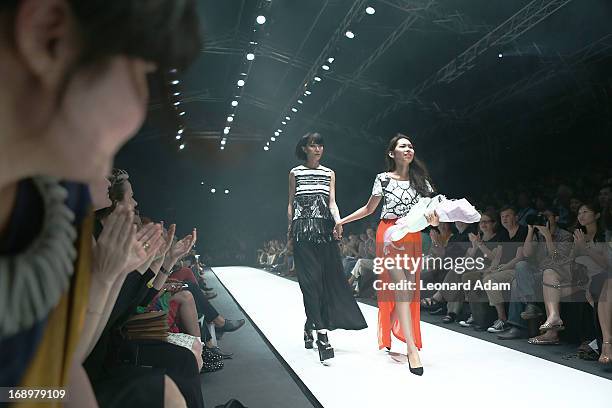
(312, 181)
(399, 196)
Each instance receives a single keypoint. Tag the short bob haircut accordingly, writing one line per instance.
(303, 142)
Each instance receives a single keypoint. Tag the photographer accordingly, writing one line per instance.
(546, 246)
(564, 276)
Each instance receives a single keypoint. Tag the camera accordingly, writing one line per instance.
(537, 219)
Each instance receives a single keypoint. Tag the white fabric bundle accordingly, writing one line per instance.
(447, 210)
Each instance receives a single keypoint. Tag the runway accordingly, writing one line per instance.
(459, 370)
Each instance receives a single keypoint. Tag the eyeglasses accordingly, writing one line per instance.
(486, 221)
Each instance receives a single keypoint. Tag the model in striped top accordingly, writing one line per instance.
(312, 213)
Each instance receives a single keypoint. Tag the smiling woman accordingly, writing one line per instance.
(75, 90)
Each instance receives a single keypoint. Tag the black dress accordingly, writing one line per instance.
(328, 299)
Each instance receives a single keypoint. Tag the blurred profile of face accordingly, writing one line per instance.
(99, 193)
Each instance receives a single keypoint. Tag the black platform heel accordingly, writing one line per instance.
(308, 339)
(325, 349)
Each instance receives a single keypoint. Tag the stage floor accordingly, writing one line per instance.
(459, 370)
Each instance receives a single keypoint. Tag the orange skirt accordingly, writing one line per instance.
(388, 323)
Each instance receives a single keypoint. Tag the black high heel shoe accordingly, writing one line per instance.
(308, 339)
(325, 349)
(416, 371)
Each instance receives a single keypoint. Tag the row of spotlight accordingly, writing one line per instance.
(214, 190)
(249, 57)
(310, 84)
(175, 97)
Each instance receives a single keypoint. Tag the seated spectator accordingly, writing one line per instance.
(546, 247)
(456, 247)
(588, 260)
(75, 91)
(483, 246)
(439, 237)
(362, 273)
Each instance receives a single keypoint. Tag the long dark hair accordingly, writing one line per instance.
(418, 174)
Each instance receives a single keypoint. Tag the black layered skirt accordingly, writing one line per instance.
(328, 298)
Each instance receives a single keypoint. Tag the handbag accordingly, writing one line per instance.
(146, 326)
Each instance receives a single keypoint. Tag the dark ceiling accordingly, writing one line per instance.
(428, 68)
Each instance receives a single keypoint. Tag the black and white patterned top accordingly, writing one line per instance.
(312, 219)
(398, 195)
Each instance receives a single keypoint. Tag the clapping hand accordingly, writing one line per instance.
(111, 252)
(433, 219)
(167, 239)
(579, 238)
(182, 247)
(474, 239)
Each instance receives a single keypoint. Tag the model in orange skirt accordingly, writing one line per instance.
(390, 300)
(399, 188)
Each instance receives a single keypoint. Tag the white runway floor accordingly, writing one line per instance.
(457, 367)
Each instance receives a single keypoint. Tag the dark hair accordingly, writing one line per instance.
(118, 179)
(418, 175)
(508, 207)
(494, 216)
(596, 208)
(165, 32)
(303, 142)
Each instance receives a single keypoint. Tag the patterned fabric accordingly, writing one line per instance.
(312, 220)
(398, 196)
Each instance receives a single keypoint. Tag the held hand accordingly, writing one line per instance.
(433, 219)
(111, 253)
(338, 231)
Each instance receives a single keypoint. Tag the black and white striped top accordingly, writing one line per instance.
(312, 181)
(312, 219)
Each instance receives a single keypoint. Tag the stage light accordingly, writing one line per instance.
(234, 103)
(273, 139)
(182, 113)
(500, 55)
(222, 148)
(240, 82)
(325, 67)
(173, 71)
(284, 123)
(177, 103)
(307, 93)
(223, 142)
(349, 34)
(370, 10)
(253, 42)
(230, 118)
(287, 118)
(317, 79)
(180, 131)
(279, 130)
(261, 19)
(201, 182)
(178, 137)
(226, 130)
(293, 110)
(276, 134)
(182, 146)
(266, 148)
(226, 191)
(177, 93)
(300, 101)
(250, 56)
(175, 82)
(330, 59)
(213, 190)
